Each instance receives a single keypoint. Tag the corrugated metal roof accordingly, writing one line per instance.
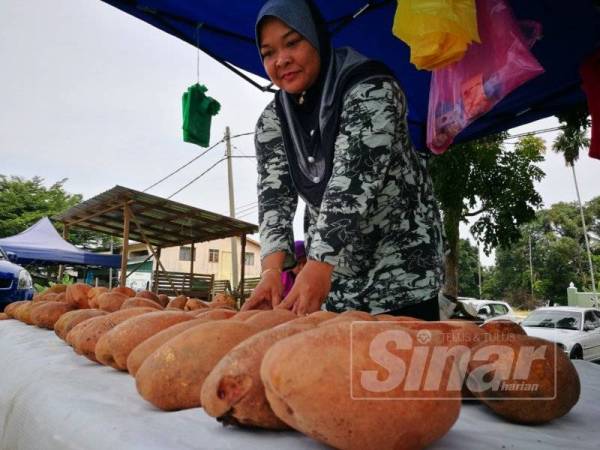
(159, 221)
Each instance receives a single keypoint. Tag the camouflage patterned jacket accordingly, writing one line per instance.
(378, 223)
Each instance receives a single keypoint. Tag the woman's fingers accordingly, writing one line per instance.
(275, 296)
(251, 303)
(258, 300)
(267, 294)
(288, 301)
(301, 308)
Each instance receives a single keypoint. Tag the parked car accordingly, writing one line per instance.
(487, 310)
(575, 329)
(15, 281)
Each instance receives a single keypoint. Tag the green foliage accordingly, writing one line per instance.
(24, 202)
(490, 286)
(483, 179)
(558, 257)
(468, 270)
(575, 123)
(66, 279)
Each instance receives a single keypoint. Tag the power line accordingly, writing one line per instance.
(249, 211)
(197, 178)
(247, 204)
(242, 152)
(245, 214)
(245, 210)
(183, 166)
(196, 157)
(529, 133)
(242, 134)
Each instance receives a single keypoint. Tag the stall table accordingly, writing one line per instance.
(53, 399)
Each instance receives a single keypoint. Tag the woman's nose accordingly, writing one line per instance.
(283, 59)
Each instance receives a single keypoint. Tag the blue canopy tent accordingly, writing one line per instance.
(42, 243)
(225, 31)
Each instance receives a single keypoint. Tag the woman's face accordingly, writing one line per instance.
(291, 62)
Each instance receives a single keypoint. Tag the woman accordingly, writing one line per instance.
(336, 134)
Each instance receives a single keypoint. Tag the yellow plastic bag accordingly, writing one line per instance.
(438, 32)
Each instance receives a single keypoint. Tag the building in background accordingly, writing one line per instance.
(212, 257)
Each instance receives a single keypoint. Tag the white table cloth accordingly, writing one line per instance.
(53, 399)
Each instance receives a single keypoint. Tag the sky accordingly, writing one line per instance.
(92, 94)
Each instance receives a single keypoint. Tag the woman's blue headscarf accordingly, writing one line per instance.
(310, 128)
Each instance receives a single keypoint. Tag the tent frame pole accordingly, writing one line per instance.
(157, 258)
(243, 268)
(192, 257)
(61, 267)
(147, 242)
(125, 249)
(136, 268)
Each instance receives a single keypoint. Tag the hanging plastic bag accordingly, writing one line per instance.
(438, 32)
(464, 91)
(198, 110)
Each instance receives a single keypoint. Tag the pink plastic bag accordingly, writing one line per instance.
(464, 91)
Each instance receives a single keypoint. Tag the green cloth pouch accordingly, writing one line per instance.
(198, 110)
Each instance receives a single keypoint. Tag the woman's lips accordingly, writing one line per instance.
(289, 76)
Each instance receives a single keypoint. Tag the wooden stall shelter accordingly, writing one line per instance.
(158, 223)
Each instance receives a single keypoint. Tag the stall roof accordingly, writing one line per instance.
(41, 242)
(225, 31)
(159, 221)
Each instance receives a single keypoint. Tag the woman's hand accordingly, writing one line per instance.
(267, 293)
(311, 287)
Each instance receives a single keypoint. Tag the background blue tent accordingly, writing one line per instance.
(42, 243)
(225, 31)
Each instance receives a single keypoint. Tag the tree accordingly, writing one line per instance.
(483, 179)
(593, 221)
(490, 284)
(468, 270)
(573, 137)
(558, 257)
(24, 202)
(569, 142)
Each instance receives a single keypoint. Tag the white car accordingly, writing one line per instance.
(487, 310)
(575, 329)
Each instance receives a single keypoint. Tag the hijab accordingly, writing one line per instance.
(310, 121)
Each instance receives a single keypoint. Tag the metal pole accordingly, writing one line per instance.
(234, 268)
(125, 250)
(157, 260)
(110, 270)
(479, 269)
(61, 267)
(587, 244)
(531, 268)
(243, 262)
(192, 261)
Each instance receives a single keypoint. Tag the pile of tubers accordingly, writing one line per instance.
(323, 374)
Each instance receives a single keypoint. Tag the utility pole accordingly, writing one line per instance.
(587, 243)
(479, 269)
(110, 271)
(531, 267)
(234, 268)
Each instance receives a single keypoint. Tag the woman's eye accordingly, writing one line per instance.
(266, 54)
(292, 43)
